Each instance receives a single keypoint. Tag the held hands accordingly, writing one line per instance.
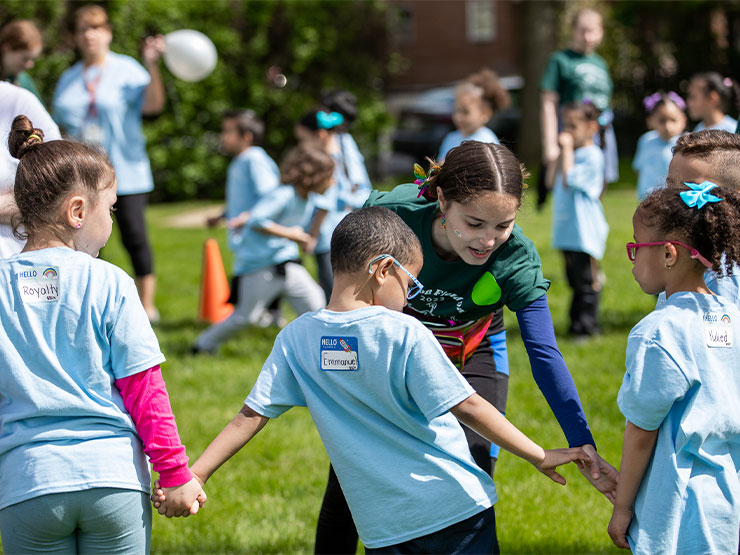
(556, 457)
(184, 500)
(600, 473)
(152, 49)
(618, 526)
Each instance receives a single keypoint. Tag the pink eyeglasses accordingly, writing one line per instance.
(632, 250)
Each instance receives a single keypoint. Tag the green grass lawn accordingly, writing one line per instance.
(266, 499)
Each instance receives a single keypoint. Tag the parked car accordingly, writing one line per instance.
(424, 122)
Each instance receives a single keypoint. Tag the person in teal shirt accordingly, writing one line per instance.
(20, 45)
(577, 74)
(476, 261)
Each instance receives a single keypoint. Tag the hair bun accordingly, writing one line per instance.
(23, 136)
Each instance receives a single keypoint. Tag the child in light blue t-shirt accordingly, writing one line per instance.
(266, 259)
(82, 399)
(709, 99)
(579, 228)
(351, 185)
(679, 486)
(709, 155)
(476, 101)
(667, 119)
(386, 401)
(251, 175)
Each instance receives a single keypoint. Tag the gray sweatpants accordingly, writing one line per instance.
(256, 291)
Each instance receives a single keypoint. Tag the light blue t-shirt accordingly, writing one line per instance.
(379, 388)
(578, 222)
(257, 250)
(72, 325)
(455, 138)
(682, 379)
(724, 286)
(349, 192)
(725, 124)
(119, 95)
(251, 175)
(651, 162)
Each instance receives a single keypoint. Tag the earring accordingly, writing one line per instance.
(78, 225)
(667, 267)
(443, 221)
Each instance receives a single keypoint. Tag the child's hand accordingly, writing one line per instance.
(181, 500)
(213, 221)
(556, 457)
(601, 474)
(565, 140)
(298, 235)
(618, 526)
(238, 221)
(310, 245)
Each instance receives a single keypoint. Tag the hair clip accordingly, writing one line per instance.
(422, 179)
(676, 99)
(699, 194)
(727, 82)
(329, 120)
(35, 136)
(650, 101)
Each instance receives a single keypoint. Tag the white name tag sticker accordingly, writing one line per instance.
(339, 353)
(717, 330)
(39, 284)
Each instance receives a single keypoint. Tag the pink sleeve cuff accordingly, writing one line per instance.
(145, 397)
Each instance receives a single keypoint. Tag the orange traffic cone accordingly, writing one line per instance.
(214, 288)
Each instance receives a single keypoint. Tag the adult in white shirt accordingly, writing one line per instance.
(13, 102)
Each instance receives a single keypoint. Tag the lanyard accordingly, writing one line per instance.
(91, 85)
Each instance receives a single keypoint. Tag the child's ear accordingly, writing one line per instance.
(441, 199)
(75, 210)
(670, 255)
(382, 270)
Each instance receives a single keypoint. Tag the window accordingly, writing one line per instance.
(480, 21)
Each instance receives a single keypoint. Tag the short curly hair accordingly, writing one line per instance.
(307, 167)
(720, 149)
(713, 230)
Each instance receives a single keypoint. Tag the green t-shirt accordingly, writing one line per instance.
(576, 77)
(512, 275)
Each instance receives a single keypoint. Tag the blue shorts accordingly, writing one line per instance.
(98, 520)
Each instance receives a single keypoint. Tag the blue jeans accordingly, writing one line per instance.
(98, 520)
(476, 534)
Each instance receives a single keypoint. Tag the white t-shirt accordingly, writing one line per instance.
(15, 101)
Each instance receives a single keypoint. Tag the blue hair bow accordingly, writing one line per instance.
(699, 194)
(329, 120)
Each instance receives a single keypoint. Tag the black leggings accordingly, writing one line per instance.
(336, 532)
(130, 217)
(582, 273)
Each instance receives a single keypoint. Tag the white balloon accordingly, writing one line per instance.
(190, 55)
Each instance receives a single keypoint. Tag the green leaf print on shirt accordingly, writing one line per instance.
(486, 291)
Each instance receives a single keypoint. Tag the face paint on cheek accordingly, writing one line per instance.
(457, 232)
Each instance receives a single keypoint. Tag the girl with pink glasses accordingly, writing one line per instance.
(678, 485)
